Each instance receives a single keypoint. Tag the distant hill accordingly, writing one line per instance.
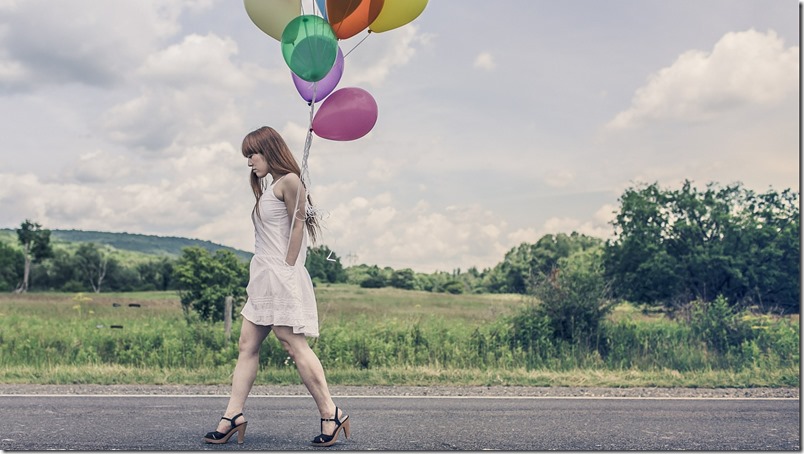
(146, 244)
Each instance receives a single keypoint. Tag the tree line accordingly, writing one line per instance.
(670, 247)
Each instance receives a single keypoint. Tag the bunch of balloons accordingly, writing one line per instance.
(310, 47)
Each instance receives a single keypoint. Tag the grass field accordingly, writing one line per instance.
(369, 336)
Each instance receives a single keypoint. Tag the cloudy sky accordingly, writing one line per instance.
(498, 122)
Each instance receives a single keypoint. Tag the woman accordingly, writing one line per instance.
(280, 292)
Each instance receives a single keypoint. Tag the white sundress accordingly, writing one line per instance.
(278, 294)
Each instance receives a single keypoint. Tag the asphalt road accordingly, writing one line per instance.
(166, 423)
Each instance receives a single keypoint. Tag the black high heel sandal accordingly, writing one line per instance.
(324, 440)
(219, 437)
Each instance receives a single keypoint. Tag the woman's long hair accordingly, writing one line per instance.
(267, 142)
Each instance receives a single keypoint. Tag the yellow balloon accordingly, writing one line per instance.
(272, 16)
(396, 13)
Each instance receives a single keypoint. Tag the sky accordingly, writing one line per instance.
(498, 122)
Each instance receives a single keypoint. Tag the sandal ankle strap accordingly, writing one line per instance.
(335, 419)
(232, 419)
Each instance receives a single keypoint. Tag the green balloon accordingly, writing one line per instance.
(309, 46)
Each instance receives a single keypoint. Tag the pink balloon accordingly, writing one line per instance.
(348, 114)
(325, 85)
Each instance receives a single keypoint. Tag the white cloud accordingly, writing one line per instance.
(381, 169)
(82, 41)
(197, 193)
(98, 167)
(379, 232)
(197, 60)
(597, 226)
(186, 97)
(485, 60)
(743, 68)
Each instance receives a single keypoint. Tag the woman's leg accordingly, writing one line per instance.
(311, 372)
(248, 361)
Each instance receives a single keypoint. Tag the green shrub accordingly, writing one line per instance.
(718, 325)
(575, 299)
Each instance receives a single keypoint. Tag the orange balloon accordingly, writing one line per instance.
(350, 17)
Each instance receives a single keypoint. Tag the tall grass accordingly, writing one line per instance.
(65, 338)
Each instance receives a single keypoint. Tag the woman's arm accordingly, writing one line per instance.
(295, 198)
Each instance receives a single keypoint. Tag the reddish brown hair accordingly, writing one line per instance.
(268, 143)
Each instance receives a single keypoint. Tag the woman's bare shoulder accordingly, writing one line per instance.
(289, 181)
(289, 184)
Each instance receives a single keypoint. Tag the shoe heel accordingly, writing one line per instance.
(241, 433)
(347, 431)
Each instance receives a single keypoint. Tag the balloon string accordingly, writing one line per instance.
(308, 142)
(361, 42)
(305, 174)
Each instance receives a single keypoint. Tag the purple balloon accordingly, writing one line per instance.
(325, 85)
(348, 114)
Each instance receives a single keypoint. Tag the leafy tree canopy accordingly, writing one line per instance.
(675, 246)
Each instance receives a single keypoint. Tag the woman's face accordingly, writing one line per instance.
(259, 165)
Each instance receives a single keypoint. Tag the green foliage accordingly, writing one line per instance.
(655, 345)
(35, 242)
(675, 246)
(93, 263)
(12, 264)
(575, 298)
(155, 274)
(515, 273)
(371, 276)
(205, 280)
(404, 279)
(455, 287)
(718, 325)
(324, 265)
(43, 332)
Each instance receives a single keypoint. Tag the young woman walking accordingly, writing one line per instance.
(280, 292)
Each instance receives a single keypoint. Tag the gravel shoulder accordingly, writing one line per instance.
(406, 391)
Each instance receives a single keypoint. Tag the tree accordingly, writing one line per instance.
(206, 279)
(375, 278)
(575, 298)
(404, 279)
(35, 243)
(155, 274)
(454, 287)
(93, 264)
(525, 261)
(324, 264)
(12, 264)
(772, 264)
(675, 246)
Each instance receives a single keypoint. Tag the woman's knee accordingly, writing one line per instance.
(251, 337)
(248, 347)
(249, 344)
(292, 343)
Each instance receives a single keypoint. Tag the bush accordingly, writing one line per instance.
(718, 325)
(373, 282)
(454, 287)
(575, 299)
